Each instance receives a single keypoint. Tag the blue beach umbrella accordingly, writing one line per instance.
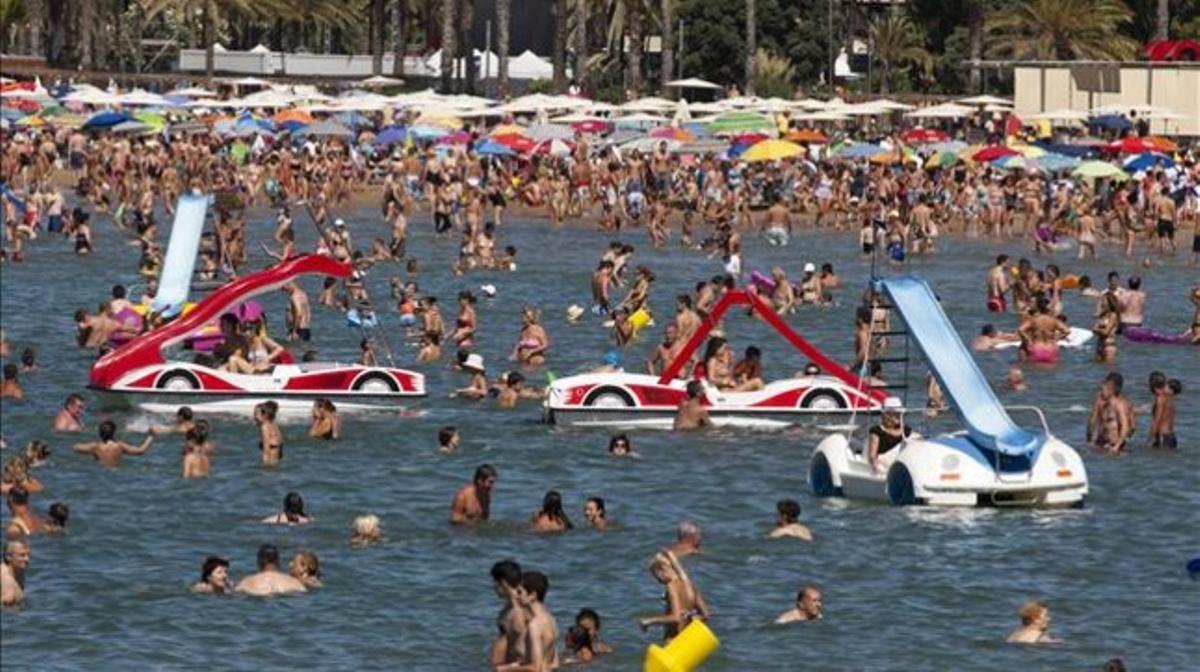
(390, 136)
(1052, 162)
(1146, 161)
(860, 151)
(1111, 122)
(425, 132)
(105, 119)
(490, 148)
(1076, 151)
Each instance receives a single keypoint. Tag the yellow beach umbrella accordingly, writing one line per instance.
(507, 129)
(1027, 151)
(772, 150)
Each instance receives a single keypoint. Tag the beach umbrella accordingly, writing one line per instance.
(692, 83)
(1028, 151)
(105, 119)
(985, 100)
(741, 122)
(1110, 122)
(326, 129)
(557, 148)
(1131, 145)
(921, 136)
(541, 132)
(949, 146)
(1053, 162)
(942, 159)
(772, 150)
(1075, 151)
(1159, 143)
(152, 119)
(859, 151)
(391, 135)
(507, 129)
(292, 115)
(671, 133)
(1095, 169)
(806, 135)
(493, 148)
(354, 120)
(425, 132)
(455, 138)
(710, 146)
(380, 81)
(992, 153)
(188, 128)
(1140, 162)
(1017, 162)
(591, 126)
(517, 143)
(894, 156)
(131, 127)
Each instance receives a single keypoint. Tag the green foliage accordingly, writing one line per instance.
(541, 86)
(899, 48)
(1062, 29)
(774, 76)
(713, 40)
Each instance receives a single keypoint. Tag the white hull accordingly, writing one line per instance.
(943, 471)
(290, 410)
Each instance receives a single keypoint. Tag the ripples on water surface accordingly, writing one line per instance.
(903, 588)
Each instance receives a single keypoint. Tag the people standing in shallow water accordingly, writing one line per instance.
(683, 600)
(594, 512)
(292, 514)
(509, 645)
(551, 517)
(109, 449)
(1111, 422)
(1035, 625)
(70, 417)
(12, 573)
(214, 577)
(473, 502)
(787, 521)
(305, 567)
(270, 438)
(269, 580)
(691, 413)
(808, 606)
(326, 425)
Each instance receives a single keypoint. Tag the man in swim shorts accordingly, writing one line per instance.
(997, 285)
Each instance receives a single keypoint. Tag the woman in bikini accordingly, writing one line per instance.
(292, 514)
(683, 600)
(551, 517)
(1106, 327)
(270, 439)
(464, 332)
(533, 341)
(326, 425)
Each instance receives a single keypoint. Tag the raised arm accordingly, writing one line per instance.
(130, 449)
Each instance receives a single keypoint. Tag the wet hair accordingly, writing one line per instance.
(1031, 610)
(269, 408)
(612, 443)
(37, 450)
(753, 352)
(466, 295)
(688, 529)
(1158, 380)
(198, 433)
(507, 572)
(988, 330)
(552, 506)
(1113, 275)
(577, 639)
(212, 562)
(714, 344)
(118, 291)
(484, 472)
(293, 506)
(268, 554)
(1135, 282)
(827, 267)
(536, 583)
(10, 371)
(1114, 665)
(585, 613)
(599, 502)
(1001, 259)
(18, 496)
(695, 389)
(1116, 380)
(446, 433)
(107, 430)
(1175, 386)
(59, 513)
(230, 321)
(27, 357)
(789, 509)
(309, 356)
(1084, 282)
(310, 565)
(72, 398)
(515, 378)
(184, 413)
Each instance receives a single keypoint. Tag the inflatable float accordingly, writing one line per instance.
(1077, 337)
(1148, 335)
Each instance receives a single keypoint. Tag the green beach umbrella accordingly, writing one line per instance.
(238, 151)
(1097, 169)
(942, 159)
(151, 119)
(741, 122)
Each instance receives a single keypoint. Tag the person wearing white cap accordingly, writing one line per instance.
(810, 286)
(887, 435)
(478, 387)
(339, 241)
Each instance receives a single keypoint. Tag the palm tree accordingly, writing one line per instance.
(975, 16)
(375, 37)
(1164, 19)
(449, 43)
(12, 13)
(897, 44)
(559, 9)
(1062, 30)
(581, 42)
(399, 36)
(503, 35)
(667, 18)
(466, 46)
(634, 29)
(211, 12)
(751, 43)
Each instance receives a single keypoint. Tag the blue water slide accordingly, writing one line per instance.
(176, 280)
(969, 393)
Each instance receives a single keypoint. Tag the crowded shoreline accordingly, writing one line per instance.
(424, 213)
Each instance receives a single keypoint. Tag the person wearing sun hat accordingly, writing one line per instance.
(810, 285)
(477, 388)
(887, 435)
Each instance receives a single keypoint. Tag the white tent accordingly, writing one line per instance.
(529, 65)
(985, 100)
(260, 49)
(141, 97)
(649, 104)
(380, 80)
(943, 111)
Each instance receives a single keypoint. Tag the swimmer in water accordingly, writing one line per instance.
(269, 580)
(691, 413)
(551, 517)
(1016, 379)
(448, 440)
(1035, 625)
(478, 386)
(684, 603)
(109, 450)
(214, 577)
(70, 417)
(12, 573)
(326, 424)
(184, 420)
(270, 438)
(620, 446)
(292, 514)
(473, 502)
(594, 512)
(787, 522)
(305, 567)
(367, 531)
(989, 338)
(808, 606)
(512, 621)
(10, 388)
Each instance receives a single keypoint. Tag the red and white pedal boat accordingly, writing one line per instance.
(634, 399)
(140, 368)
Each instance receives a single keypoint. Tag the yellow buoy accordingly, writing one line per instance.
(639, 319)
(685, 653)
